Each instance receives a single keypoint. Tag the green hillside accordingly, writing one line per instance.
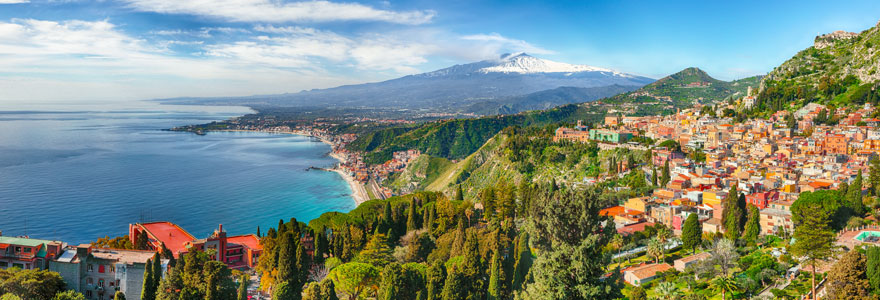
(686, 88)
(839, 69)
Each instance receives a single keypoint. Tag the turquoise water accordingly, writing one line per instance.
(79, 172)
(865, 234)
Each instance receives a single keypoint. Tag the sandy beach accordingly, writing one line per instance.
(358, 192)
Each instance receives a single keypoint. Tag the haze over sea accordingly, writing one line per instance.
(79, 172)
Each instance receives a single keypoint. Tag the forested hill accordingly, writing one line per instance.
(840, 69)
(455, 139)
(686, 88)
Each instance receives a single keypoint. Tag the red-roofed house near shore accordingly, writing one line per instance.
(238, 252)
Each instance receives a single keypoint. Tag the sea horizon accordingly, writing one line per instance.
(93, 168)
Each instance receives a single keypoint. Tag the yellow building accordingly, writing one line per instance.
(713, 197)
(638, 204)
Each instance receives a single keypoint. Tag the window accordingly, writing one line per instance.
(15, 265)
(3, 264)
(112, 268)
(17, 249)
(90, 281)
(100, 268)
(90, 268)
(27, 250)
(88, 294)
(101, 282)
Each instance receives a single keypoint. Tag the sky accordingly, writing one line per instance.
(76, 50)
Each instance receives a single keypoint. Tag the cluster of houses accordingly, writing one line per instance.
(98, 272)
(765, 160)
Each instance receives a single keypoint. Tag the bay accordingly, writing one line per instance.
(78, 172)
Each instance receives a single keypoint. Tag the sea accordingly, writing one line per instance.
(78, 172)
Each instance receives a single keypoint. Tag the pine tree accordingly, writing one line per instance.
(692, 233)
(148, 292)
(141, 242)
(814, 239)
(753, 226)
(847, 278)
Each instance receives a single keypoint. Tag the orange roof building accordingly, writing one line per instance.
(238, 252)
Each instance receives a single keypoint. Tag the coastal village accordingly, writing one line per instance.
(768, 161)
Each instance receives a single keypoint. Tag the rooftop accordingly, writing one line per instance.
(123, 256)
(174, 237)
(24, 241)
(247, 240)
(649, 270)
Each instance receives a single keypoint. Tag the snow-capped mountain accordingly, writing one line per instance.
(524, 64)
(458, 86)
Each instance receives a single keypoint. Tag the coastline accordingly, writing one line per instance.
(358, 191)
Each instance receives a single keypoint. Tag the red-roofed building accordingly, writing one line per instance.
(761, 200)
(238, 252)
(633, 228)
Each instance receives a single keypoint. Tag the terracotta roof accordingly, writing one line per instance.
(612, 211)
(650, 270)
(247, 240)
(174, 237)
(695, 257)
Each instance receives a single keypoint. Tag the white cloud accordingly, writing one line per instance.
(14, 1)
(502, 42)
(276, 11)
(50, 59)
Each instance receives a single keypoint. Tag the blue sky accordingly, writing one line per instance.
(53, 50)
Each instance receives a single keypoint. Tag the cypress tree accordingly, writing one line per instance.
(496, 277)
(692, 233)
(459, 195)
(435, 277)
(873, 271)
(242, 287)
(392, 282)
(665, 174)
(258, 231)
(148, 292)
(321, 246)
(157, 271)
(302, 267)
(286, 259)
(460, 236)
(455, 287)
(328, 290)
(854, 196)
(523, 261)
(732, 214)
(753, 226)
(472, 267)
(653, 175)
(874, 176)
(412, 217)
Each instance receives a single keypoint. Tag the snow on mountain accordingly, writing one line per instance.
(525, 64)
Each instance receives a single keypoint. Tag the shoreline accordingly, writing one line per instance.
(358, 191)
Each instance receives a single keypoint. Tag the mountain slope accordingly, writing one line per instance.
(449, 88)
(546, 99)
(841, 68)
(681, 90)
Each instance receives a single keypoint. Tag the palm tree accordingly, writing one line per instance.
(617, 243)
(655, 249)
(666, 291)
(725, 284)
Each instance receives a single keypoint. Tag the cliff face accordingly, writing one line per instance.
(834, 55)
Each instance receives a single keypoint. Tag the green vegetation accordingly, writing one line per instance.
(840, 74)
(16, 283)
